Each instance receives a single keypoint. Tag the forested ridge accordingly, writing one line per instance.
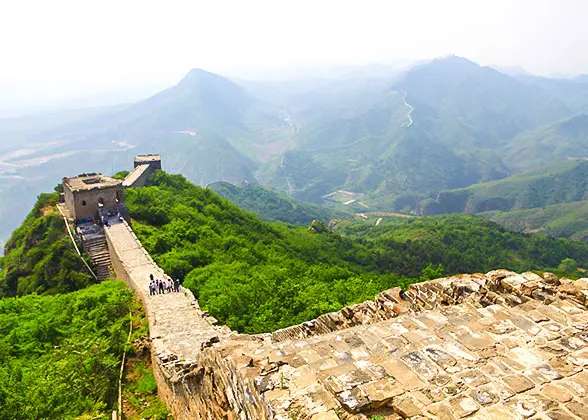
(256, 276)
(462, 244)
(39, 256)
(271, 205)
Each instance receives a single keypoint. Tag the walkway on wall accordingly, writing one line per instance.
(131, 178)
(177, 324)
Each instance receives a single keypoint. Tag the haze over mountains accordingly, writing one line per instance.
(398, 139)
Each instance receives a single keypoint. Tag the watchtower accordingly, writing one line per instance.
(153, 160)
(87, 194)
(145, 166)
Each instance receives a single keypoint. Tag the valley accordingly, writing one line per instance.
(476, 126)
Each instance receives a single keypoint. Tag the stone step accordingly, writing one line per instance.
(100, 255)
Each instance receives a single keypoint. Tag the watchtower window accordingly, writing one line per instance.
(100, 202)
(83, 202)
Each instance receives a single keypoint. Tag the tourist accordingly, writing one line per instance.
(161, 288)
(177, 285)
(151, 288)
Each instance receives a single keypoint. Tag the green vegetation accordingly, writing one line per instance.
(121, 175)
(60, 355)
(251, 275)
(256, 276)
(39, 257)
(140, 391)
(461, 244)
(139, 388)
(270, 205)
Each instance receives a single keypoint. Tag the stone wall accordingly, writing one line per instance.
(139, 177)
(495, 345)
(193, 379)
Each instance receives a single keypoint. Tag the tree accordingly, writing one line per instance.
(430, 272)
(568, 265)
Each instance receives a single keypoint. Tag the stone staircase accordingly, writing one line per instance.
(96, 247)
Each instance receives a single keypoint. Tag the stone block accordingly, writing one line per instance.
(518, 383)
(463, 406)
(556, 393)
(578, 409)
(380, 392)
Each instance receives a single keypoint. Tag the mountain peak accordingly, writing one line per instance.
(453, 64)
(197, 75)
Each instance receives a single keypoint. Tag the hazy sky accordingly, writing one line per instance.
(54, 49)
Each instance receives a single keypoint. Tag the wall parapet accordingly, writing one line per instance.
(496, 287)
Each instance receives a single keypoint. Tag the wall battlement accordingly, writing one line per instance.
(495, 345)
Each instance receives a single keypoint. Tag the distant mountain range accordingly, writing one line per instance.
(397, 139)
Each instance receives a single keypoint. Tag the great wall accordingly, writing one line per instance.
(499, 345)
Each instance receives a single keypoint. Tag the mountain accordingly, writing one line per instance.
(494, 106)
(573, 92)
(206, 126)
(559, 183)
(393, 139)
(559, 141)
(441, 125)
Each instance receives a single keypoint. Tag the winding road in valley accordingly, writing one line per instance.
(410, 109)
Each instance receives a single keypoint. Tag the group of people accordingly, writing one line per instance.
(110, 213)
(159, 287)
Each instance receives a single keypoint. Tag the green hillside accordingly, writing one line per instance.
(559, 183)
(61, 344)
(256, 276)
(272, 206)
(567, 139)
(569, 220)
(253, 276)
(39, 256)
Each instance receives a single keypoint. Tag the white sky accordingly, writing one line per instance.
(55, 49)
